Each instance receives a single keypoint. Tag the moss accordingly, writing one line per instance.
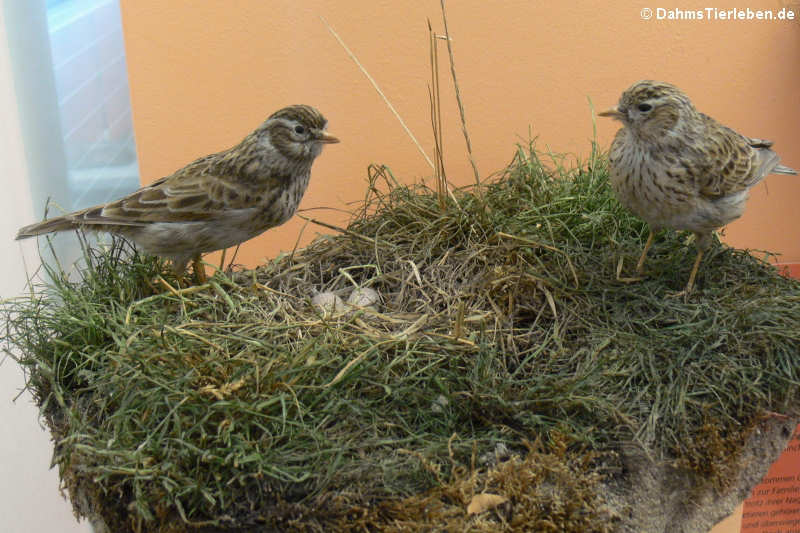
(237, 405)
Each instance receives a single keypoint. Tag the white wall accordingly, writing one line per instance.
(30, 501)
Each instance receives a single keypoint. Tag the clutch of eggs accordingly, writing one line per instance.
(330, 302)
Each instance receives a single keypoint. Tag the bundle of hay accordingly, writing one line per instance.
(498, 381)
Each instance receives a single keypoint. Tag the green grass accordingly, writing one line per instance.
(503, 326)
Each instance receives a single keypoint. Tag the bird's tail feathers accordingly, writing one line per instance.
(781, 169)
(46, 226)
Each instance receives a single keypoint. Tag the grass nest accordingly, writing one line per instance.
(505, 359)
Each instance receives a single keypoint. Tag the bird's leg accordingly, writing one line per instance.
(693, 274)
(702, 242)
(639, 264)
(690, 285)
(199, 270)
(647, 245)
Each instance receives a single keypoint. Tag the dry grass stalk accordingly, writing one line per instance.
(436, 119)
(380, 92)
(460, 104)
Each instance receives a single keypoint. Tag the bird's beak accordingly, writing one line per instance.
(327, 138)
(614, 112)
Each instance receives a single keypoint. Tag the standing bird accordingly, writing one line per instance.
(678, 168)
(217, 201)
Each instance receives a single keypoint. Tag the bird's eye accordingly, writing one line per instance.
(644, 108)
(299, 129)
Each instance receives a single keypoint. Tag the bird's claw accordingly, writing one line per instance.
(684, 293)
(634, 279)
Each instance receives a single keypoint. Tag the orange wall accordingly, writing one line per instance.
(205, 73)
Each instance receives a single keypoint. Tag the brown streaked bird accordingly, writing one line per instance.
(217, 201)
(677, 168)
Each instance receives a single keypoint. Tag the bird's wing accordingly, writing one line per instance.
(736, 162)
(202, 190)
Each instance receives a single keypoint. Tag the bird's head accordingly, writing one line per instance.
(297, 132)
(652, 109)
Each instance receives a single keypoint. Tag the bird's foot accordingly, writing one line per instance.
(680, 294)
(639, 277)
(690, 284)
(685, 293)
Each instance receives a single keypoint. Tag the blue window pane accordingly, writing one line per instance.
(93, 99)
